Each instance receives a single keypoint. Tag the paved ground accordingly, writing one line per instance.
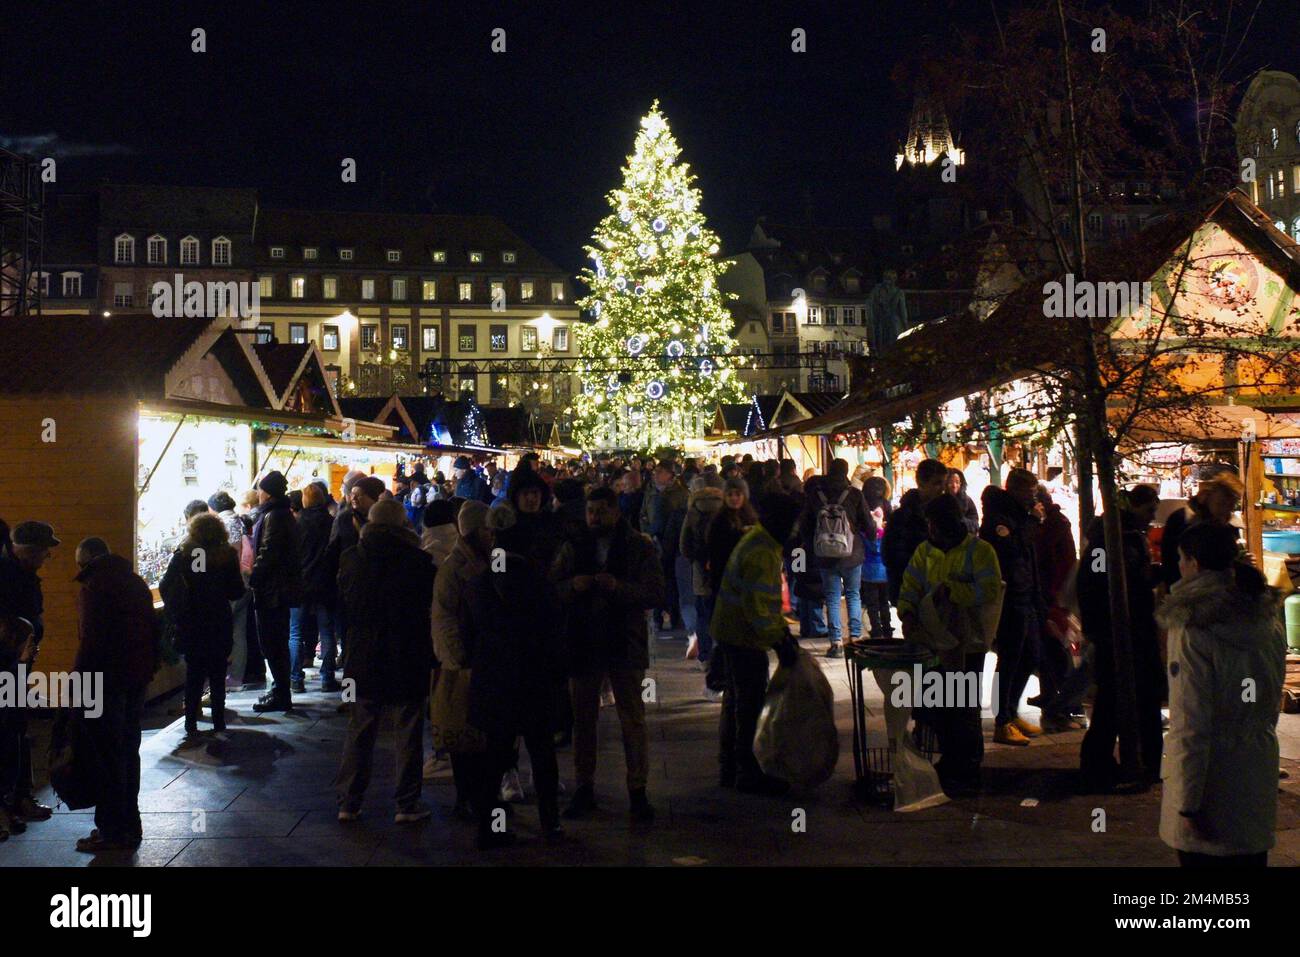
(263, 797)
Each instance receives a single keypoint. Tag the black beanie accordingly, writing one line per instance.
(274, 483)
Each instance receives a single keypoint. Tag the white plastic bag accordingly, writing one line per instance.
(796, 739)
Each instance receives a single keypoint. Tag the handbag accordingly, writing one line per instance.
(449, 713)
(77, 771)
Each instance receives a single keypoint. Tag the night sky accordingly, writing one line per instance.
(436, 121)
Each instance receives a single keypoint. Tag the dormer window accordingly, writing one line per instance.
(124, 249)
(277, 252)
(310, 252)
(476, 255)
(508, 256)
(189, 251)
(221, 251)
(394, 255)
(157, 249)
(851, 284)
(439, 255)
(345, 254)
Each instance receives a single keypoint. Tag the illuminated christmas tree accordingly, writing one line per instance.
(662, 355)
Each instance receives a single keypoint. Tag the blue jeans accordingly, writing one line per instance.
(703, 615)
(685, 593)
(305, 624)
(843, 583)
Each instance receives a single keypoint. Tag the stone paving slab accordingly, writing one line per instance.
(265, 793)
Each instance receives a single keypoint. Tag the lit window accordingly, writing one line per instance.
(560, 339)
(345, 254)
(1270, 188)
(1295, 179)
(71, 285)
(123, 294)
(367, 289)
(1272, 135)
(399, 288)
(500, 387)
(557, 292)
(475, 256)
(440, 255)
(429, 290)
(528, 339)
(277, 252)
(329, 287)
(329, 338)
(498, 291)
(508, 256)
(466, 292)
(1281, 183)
(394, 255)
(526, 290)
(297, 333)
(265, 333)
(1295, 229)
(498, 338)
(221, 251)
(189, 251)
(401, 336)
(429, 338)
(297, 287)
(467, 338)
(369, 337)
(310, 252)
(265, 286)
(814, 315)
(124, 249)
(157, 249)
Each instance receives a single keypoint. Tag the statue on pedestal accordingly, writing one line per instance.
(888, 310)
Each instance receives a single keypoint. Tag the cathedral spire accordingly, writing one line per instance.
(928, 135)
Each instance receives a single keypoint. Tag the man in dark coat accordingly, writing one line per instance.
(386, 584)
(536, 531)
(314, 618)
(118, 632)
(276, 581)
(20, 597)
(907, 526)
(1097, 764)
(1010, 524)
(513, 620)
(360, 492)
(840, 577)
(608, 578)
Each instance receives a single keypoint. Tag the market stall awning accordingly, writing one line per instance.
(1217, 423)
(276, 420)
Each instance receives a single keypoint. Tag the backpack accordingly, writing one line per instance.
(833, 536)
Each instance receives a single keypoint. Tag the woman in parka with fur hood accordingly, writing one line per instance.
(1227, 659)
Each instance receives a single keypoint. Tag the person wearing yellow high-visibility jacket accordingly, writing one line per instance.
(954, 568)
(747, 622)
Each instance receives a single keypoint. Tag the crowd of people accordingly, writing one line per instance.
(506, 608)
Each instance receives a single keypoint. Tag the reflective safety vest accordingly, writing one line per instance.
(748, 609)
(970, 570)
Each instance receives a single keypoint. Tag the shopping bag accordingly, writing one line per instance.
(449, 713)
(796, 739)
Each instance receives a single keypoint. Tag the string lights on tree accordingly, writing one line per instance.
(653, 280)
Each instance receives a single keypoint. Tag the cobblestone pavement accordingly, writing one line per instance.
(263, 796)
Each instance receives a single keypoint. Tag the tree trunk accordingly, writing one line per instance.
(1121, 634)
(1083, 467)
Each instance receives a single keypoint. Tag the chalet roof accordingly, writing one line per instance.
(282, 361)
(95, 354)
